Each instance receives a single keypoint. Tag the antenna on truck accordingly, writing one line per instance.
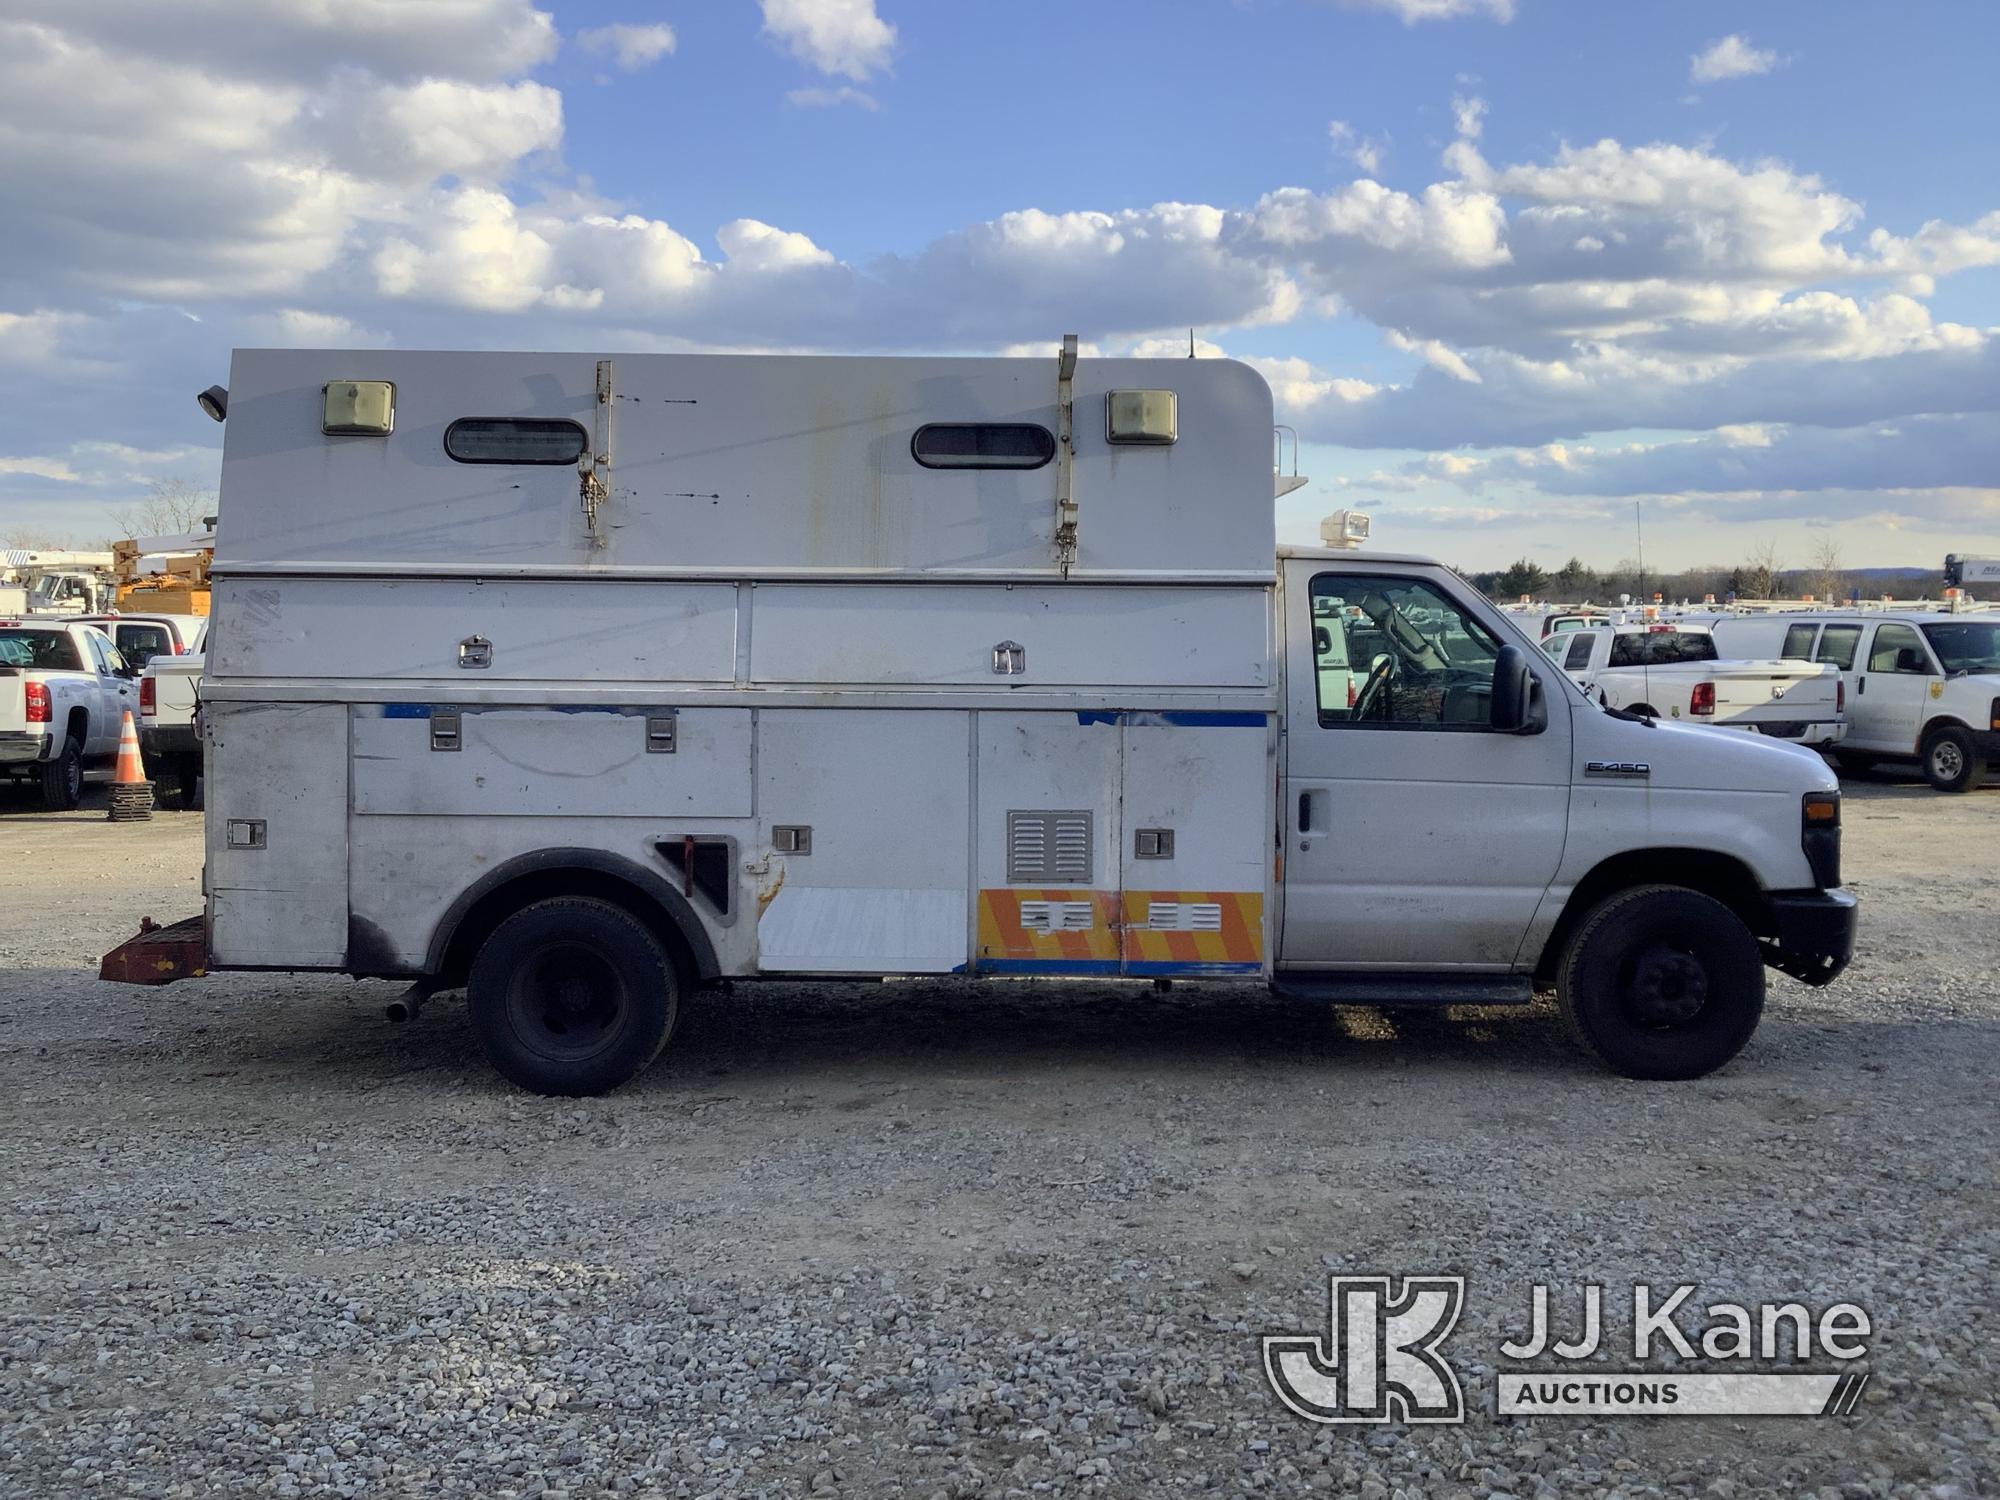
(1645, 647)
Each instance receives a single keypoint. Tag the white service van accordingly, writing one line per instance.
(585, 682)
(1922, 686)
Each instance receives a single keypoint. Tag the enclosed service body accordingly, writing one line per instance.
(806, 666)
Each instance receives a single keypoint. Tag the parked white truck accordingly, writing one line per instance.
(64, 694)
(1675, 670)
(169, 695)
(1921, 685)
(585, 682)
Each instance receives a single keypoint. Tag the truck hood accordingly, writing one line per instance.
(1703, 758)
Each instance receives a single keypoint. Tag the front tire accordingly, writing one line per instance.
(572, 996)
(1952, 762)
(62, 778)
(1662, 982)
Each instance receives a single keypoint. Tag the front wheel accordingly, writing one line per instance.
(572, 996)
(1662, 982)
(1952, 762)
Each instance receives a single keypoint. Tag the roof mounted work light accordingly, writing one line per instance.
(214, 401)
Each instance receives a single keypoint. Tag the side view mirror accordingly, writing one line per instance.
(1515, 706)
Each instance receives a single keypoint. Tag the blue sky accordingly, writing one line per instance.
(1510, 265)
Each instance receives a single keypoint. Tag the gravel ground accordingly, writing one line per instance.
(901, 1240)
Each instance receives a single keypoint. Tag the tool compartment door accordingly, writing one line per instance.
(277, 834)
(1196, 850)
(880, 886)
(1048, 836)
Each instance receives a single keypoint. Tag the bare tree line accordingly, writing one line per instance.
(171, 507)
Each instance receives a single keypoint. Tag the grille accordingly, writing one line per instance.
(1048, 848)
(1184, 916)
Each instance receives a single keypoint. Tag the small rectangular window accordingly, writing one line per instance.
(1798, 643)
(1580, 645)
(1837, 644)
(982, 445)
(515, 440)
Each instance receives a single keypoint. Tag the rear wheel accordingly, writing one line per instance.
(1662, 982)
(1952, 762)
(184, 782)
(572, 996)
(62, 778)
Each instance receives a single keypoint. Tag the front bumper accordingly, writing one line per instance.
(19, 747)
(1814, 934)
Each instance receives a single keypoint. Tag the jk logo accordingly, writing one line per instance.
(1379, 1362)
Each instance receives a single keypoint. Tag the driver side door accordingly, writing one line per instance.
(1415, 836)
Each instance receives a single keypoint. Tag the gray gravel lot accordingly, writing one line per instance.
(904, 1239)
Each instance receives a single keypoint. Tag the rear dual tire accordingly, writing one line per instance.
(572, 996)
(1662, 982)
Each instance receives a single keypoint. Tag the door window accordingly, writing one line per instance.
(1798, 643)
(1837, 645)
(1897, 648)
(1579, 651)
(1407, 656)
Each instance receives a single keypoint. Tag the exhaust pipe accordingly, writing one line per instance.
(408, 1005)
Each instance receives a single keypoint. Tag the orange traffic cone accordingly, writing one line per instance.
(131, 792)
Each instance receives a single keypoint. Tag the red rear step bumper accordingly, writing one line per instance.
(159, 955)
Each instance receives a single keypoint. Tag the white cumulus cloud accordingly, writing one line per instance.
(632, 47)
(1411, 12)
(841, 38)
(1730, 57)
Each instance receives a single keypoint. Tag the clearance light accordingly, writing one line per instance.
(1822, 807)
(1702, 700)
(1996, 713)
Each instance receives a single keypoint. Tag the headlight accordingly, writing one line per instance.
(1819, 836)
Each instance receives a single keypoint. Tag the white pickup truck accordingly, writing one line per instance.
(64, 692)
(1673, 670)
(168, 736)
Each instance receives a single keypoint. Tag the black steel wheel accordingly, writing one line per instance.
(62, 778)
(572, 996)
(1662, 982)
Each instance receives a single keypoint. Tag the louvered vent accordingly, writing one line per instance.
(1057, 916)
(1184, 916)
(1048, 848)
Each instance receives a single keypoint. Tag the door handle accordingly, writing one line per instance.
(1305, 812)
(1860, 685)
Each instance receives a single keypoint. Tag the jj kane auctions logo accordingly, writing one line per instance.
(1381, 1359)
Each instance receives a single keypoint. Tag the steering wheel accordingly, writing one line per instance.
(1374, 695)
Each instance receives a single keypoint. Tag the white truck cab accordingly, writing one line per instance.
(1921, 685)
(583, 682)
